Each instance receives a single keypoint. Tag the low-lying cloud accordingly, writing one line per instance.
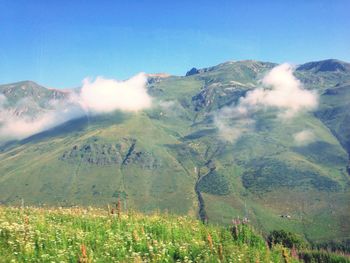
(95, 97)
(232, 122)
(19, 127)
(279, 90)
(2, 100)
(304, 137)
(107, 95)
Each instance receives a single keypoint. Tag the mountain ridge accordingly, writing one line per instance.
(307, 65)
(326, 65)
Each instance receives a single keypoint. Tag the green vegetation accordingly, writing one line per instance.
(94, 235)
(171, 156)
(214, 183)
(322, 256)
(287, 239)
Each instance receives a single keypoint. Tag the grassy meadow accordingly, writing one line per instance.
(95, 235)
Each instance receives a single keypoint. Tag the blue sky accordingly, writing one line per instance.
(58, 43)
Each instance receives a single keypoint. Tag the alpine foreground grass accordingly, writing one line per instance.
(94, 235)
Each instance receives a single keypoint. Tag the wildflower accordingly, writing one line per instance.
(210, 241)
(236, 221)
(135, 236)
(83, 258)
(285, 255)
(119, 208)
(221, 256)
(294, 252)
(137, 259)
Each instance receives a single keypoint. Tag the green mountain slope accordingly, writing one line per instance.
(172, 158)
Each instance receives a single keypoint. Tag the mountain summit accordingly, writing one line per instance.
(329, 65)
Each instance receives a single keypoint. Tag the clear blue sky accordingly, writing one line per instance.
(58, 43)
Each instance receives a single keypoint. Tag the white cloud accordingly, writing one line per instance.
(279, 90)
(282, 91)
(96, 97)
(171, 108)
(232, 122)
(304, 137)
(2, 100)
(166, 105)
(107, 95)
(19, 127)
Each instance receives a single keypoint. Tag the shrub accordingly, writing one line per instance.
(322, 256)
(287, 239)
(243, 233)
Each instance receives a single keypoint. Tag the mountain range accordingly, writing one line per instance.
(246, 138)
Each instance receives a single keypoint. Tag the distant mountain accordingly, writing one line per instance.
(29, 98)
(172, 157)
(329, 65)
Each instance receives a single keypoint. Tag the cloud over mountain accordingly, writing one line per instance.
(279, 90)
(16, 126)
(95, 97)
(282, 91)
(107, 95)
(304, 137)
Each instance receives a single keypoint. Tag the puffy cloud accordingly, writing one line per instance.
(282, 91)
(304, 137)
(107, 95)
(96, 97)
(279, 90)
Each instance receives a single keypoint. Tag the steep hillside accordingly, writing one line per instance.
(175, 157)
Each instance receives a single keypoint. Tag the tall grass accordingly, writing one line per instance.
(314, 256)
(96, 235)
